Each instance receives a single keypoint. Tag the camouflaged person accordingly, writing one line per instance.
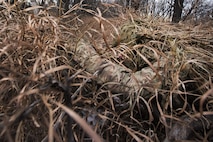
(132, 39)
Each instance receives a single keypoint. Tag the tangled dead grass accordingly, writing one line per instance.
(148, 80)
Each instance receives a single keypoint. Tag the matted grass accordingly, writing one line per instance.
(44, 78)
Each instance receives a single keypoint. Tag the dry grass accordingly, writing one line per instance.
(42, 83)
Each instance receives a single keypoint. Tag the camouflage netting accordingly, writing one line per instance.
(152, 82)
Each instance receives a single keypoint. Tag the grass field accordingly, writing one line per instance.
(86, 77)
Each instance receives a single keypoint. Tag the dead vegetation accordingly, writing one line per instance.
(126, 78)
